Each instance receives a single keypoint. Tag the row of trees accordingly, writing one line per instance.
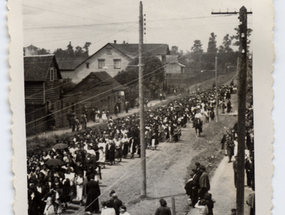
(69, 52)
(197, 59)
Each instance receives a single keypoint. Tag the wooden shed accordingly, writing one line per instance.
(42, 92)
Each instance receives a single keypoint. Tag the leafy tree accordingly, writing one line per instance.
(212, 44)
(236, 37)
(197, 47)
(174, 50)
(226, 46)
(43, 51)
(86, 47)
(79, 52)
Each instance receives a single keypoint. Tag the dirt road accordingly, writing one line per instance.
(167, 169)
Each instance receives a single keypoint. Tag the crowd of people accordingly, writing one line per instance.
(197, 188)
(71, 170)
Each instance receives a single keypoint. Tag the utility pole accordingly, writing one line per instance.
(216, 83)
(241, 109)
(242, 65)
(141, 102)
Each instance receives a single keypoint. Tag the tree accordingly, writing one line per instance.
(174, 50)
(71, 53)
(70, 50)
(212, 44)
(236, 37)
(197, 47)
(86, 47)
(226, 47)
(43, 51)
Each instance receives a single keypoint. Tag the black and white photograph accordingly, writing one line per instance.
(142, 107)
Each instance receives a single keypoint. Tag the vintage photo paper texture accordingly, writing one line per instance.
(85, 140)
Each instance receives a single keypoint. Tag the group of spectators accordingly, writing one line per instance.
(197, 188)
(72, 171)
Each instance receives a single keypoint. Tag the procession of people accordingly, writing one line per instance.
(71, 169)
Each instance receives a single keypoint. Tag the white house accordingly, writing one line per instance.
(113, 58)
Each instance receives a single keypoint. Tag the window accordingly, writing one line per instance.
(109, 52)
(52, 73)
(117, 63)
(87, 65)
(101, 63)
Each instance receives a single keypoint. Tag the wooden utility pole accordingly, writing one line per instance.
(242, 82)
(216, 83)
(241, 109)
(141, 102)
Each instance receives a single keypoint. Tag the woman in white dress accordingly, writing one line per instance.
(79, 187)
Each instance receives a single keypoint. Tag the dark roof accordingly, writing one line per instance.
(95, 80)
(133, 49)
(36, 67)
(32, 47)
(68, 63)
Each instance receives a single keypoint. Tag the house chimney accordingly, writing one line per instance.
(115, 41)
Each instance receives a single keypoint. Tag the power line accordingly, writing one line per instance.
(116, 23)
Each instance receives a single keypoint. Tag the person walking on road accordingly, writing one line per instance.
(163, 209)
(230, 147)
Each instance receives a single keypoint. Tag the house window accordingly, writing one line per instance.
(52, 73)
(108, 51)
(101, 63)
(87, 65)
(117, 63)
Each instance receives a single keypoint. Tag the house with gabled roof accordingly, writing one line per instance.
(98, 89)
(42, 92)
(113, 58)
(175, 73)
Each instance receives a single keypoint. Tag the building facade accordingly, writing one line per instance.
(42, 93)
(113, 58)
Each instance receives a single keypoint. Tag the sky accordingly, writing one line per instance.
(52, 24)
